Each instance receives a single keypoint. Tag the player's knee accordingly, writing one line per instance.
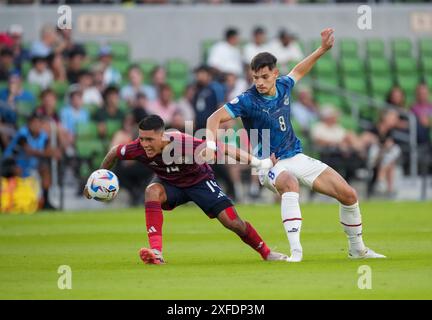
(348, 196)
(286, 182)
(153, 193)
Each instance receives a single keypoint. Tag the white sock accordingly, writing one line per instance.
(350, 219)
(291, 219)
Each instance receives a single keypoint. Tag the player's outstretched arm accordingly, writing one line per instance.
(244, 157)
(213, 122)
(304, 66)
(108, 162)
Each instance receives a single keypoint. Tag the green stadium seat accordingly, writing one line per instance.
(112, 127)
(33, 88)
(408, 83)
(380, 86)
(355, 84)
(24, 108)
(378, 66)
(177, 68)
(405, 65)
(328, 81)
(428, 81)
(425, 47)
(91, 108)
(147, 66)
(351, 66)
(205, 48)
(325, 67)
(60, 88)
(86, 131)
(25, 68)
(349, 123)
(323, 98)
(92, 49)
(426, 64)
(375, 48)
(401, 47)
(348, 48)
(178, 86)
(121, 66)
(88, 148)
(120, 50)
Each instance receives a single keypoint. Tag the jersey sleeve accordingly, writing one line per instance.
(128, 151)
(288, 81)
(237, 107)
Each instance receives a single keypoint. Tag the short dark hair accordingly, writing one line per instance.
(110, 90)
(262, 60)
(258, 30)
(152, 122)
(46, 92)
(230, 32)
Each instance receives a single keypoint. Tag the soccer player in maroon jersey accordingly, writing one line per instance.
(181, 180)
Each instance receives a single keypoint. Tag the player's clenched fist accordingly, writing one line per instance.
(327, 38)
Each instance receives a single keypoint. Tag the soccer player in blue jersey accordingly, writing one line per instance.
(266, 105)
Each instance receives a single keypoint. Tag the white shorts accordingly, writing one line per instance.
(304, 168)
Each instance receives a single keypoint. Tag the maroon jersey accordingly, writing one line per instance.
(182, 171)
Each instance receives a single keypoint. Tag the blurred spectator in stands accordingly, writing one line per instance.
(158, 77)
(234, 86)
(74, 113)
(422, 108)
(164, 106)
(111, 75)
(75, 65)
(5, 41)
(98, 77)
(338, 147)
(8, 119)
(31, 149)
(304, 110)
(286, 48)
(136, 85)
(110, 110)
(185, 103)
(57, 64)
(67, 43)
(139, 109)
(40, 74)
(91, 94)
(226, 55)
(47, 43)
(20, 53)
(205, 100)
(396, 97)
(384, 153)
(133, 176)
(48, 113)
(258, 44)
(6, 63)
(15, 94)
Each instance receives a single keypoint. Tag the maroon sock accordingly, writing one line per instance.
(154, 221)
(253, 239)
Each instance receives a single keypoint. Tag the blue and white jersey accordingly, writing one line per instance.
(273, 113)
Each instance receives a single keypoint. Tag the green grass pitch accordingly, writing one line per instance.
(206, 261)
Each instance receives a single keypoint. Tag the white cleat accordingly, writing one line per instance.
(276, 256)
(296, 256)
(366, 254)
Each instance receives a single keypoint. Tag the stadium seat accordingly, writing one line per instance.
(426, 64)
(328, 81)
(355, 84)
(325, 67)
(92, 49)
(121, 66)
(120, 50)
(349, 123)
(88, 148)
(428, 81)
(112, 127)
(401, 47)
(33, 88)
(405, 65)
(205, 48)
(147, 66)
(348, 48)
(178, 86)
(24, 108)
(86, 131)
(177, 68)
(380, 86)
(91, 108)
(323, 98)
(378, 66)
(425, 47)
(408, 83)
(351, 66)
(25, 68)
(375, 48)
(60, 88)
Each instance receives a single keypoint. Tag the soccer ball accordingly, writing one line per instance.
(103, 185)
